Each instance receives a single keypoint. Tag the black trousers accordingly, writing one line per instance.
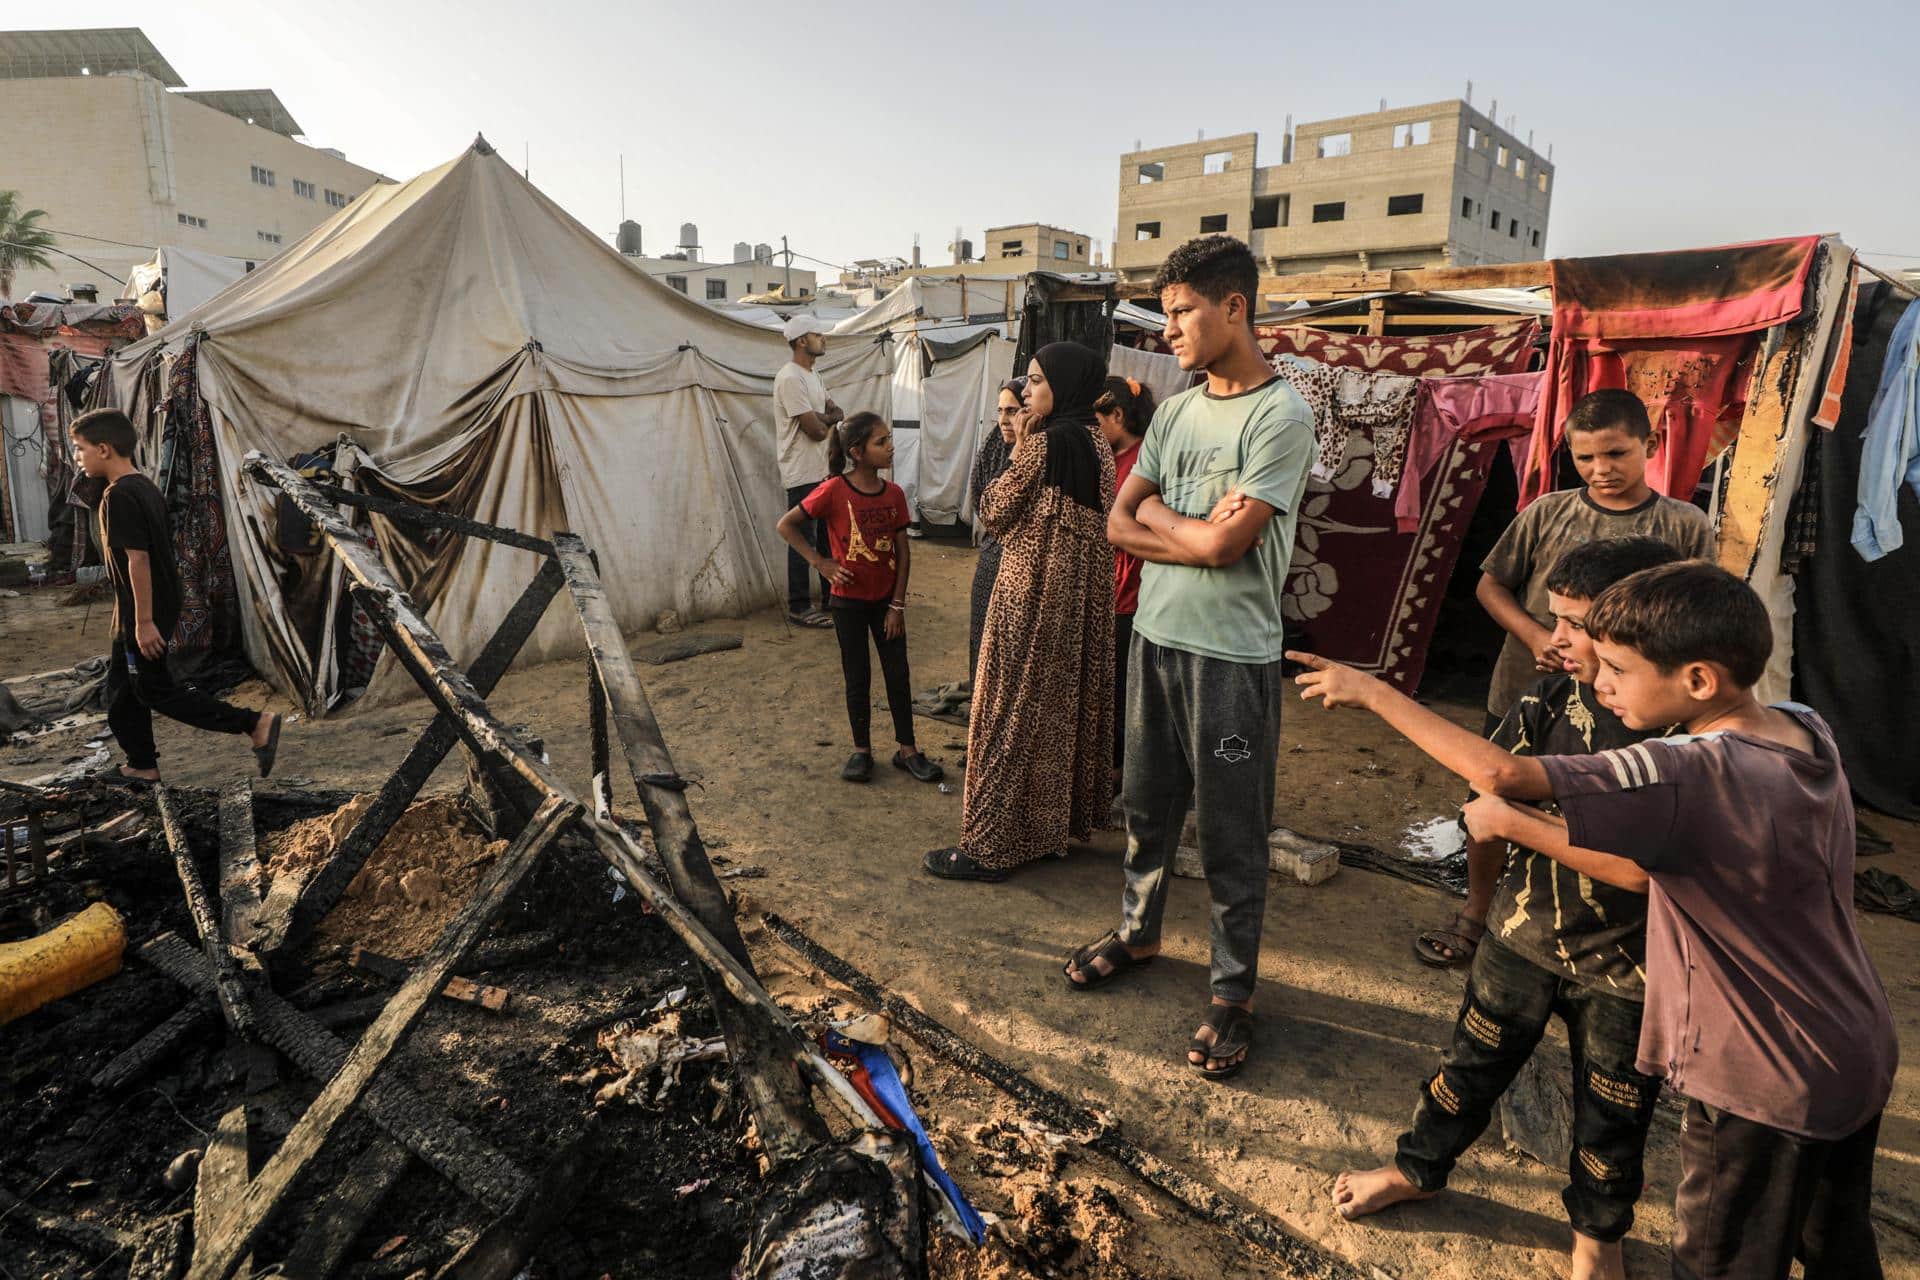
(1752, 1199)
(1509, 1000)
(799, 590)
(137, 687)
(1122, 644)
(853, 622)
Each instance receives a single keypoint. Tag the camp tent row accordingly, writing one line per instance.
(472, 347)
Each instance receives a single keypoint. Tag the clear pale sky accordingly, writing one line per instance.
(850, 126)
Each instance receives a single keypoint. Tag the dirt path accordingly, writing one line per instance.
(1349, 1023)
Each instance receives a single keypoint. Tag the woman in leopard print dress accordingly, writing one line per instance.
(1040, 733)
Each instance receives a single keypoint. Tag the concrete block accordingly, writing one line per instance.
(1288, 854)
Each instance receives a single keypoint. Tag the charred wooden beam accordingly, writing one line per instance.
(239, 867)
(225, 1169)
(228, 989)
(324, 889)
(401, 511)
(494, 999)
(92, 1237)
(343, 1213)
(377, 1043)
(775, 1091)
(502, 1251)
(156, 1044)
(448, 1147)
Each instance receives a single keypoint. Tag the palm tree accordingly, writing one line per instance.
(22, 242)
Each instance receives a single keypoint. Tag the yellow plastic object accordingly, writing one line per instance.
(67, 958)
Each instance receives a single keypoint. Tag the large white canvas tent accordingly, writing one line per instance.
(483, 352)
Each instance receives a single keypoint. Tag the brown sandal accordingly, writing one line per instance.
(1451, 947)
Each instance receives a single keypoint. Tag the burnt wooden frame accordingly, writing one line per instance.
(769, 1051)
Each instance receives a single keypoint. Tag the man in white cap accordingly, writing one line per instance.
(804, 415)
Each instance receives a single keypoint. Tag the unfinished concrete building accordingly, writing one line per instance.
(1434, 185)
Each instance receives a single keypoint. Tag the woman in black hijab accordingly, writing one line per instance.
(996, 453)
(1040, 733)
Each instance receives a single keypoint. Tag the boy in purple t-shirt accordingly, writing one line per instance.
(1763, 1007)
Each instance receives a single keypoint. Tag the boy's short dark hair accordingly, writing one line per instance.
(110, 427)
(1213, 267)
(1687, 612)
(1587, 570)
(1608, 409)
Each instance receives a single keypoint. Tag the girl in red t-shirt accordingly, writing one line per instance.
(1123, 411)
(866, 519)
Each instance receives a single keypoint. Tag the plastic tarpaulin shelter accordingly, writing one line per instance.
(484, 353)
(957, 397)
(188, 277)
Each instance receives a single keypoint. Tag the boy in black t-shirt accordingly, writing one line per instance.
(1559, 943)
(138, 548)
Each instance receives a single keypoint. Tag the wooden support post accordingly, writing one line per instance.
(491, 998)
(225, 1169)
(338, 1219)
(378, 1042)
(1377, 316)
(239, 868)
(448, 1147)
(291, 920)
(781, 1108)
(602, 746)
(227, 987)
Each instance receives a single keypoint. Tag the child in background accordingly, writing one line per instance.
(1763, 1007)
(1123, 411)
(1610, 438)
(865, 516)
(1560, 944)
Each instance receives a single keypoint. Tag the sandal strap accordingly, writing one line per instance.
(1230, 1025)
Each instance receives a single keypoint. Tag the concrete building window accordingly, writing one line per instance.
(1417, 134)
(1500, 156)
(1534, 238)
(716, 291)
(1213, 224)
(1335, 144)
(1269, 212)
(1542, 176)
(268, 237)
(1494, 221)
(305, 190)
(1520, 166)
(1146, 231)
(1152, 173)
(1080, 250)
(188, 220)
(804, 291)
(1401, 205)
(677, 282)
(1466, 206)
(1513, 228)
(1062, 250)
(1332, 211)
(1216, 162)
(1473, 138)
(263, 177)
(1012, 248)
(335, 200)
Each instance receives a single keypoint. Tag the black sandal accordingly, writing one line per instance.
(1461, 936)
(1107, 947)
(1232, 1034)
(919, 766)
(858, 768)
(953, 864)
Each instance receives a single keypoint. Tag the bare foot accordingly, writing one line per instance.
(1595, 1261)
(1359, 1192)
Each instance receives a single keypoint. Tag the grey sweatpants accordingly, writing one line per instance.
(1204, 731)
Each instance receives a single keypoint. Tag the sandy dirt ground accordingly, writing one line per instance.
(1349, 1023)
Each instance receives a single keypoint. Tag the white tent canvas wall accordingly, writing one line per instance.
(483, 351)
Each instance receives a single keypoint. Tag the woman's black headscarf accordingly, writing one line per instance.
(1077, 375)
